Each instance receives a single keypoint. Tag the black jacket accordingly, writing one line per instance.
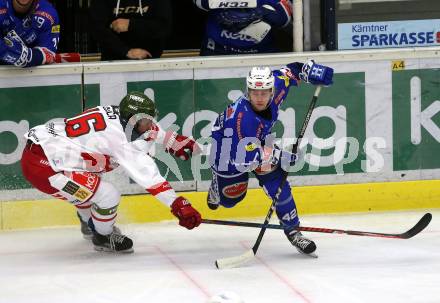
(150, 24)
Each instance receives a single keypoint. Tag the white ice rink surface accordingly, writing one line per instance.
(171, 264)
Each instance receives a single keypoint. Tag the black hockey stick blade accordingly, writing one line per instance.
(420, 225)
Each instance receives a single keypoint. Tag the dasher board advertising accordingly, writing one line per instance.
(387, 34)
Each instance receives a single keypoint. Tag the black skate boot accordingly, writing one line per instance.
(112, 243)
(85, 229)
(213, 203)
(301, 243)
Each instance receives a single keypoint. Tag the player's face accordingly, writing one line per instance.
(143, 125)
(260, 98)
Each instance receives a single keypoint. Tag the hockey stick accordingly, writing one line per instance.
(250, 254)
(417, 228)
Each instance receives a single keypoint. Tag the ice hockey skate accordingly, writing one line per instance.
(213, 203)
(113, 242)
(301, 243)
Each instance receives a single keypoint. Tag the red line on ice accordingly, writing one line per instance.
(279, 276)
(185, 273)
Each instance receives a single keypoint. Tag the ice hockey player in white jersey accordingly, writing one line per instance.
(66, 158)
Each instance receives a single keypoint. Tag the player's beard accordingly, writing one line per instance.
(21, 7)
(27, 3)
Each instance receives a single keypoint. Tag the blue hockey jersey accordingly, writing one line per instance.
(39, 30)
(239, 132)
(219, 40)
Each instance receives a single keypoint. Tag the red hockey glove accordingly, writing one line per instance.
(180, 146)
(188, 216)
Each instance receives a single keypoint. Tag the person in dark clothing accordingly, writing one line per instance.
(130, 29)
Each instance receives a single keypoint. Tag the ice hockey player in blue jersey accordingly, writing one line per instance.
(242, 26)
(242, 143)
(30, 32)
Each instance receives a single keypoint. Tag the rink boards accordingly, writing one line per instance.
(309, 199)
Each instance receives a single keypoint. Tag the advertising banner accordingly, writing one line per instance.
(27, 102)
(416, 122)
(387, 34)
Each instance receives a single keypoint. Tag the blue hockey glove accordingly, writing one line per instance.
(235, 20)
(316, 74)
(14, 51)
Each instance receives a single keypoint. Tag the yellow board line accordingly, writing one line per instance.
(309, 199)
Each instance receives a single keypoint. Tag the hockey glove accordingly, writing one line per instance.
(14, 51)
(188, 216)
(273, 157)
(316, 74)
(284, 158)
(180, 146)
(234, 20)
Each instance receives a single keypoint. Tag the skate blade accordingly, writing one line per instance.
(106, 249)
(311, 255)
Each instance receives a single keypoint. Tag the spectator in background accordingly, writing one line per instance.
(130, 29)
(244, 30)
(30, 32)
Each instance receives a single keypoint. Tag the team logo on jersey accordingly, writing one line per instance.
(235, 190)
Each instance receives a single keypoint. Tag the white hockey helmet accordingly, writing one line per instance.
(260, 78)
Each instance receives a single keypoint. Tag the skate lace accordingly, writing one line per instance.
(116, 239)
(302, 243)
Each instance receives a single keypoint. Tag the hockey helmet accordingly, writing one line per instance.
(137, 103)
(260, 78)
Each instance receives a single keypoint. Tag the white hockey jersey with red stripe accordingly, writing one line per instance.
(95, 141)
